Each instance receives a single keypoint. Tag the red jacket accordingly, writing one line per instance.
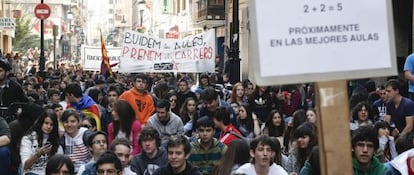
(229, 134)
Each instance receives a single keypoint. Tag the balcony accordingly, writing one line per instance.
(210, 15)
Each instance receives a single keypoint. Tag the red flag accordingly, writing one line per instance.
(106, 69)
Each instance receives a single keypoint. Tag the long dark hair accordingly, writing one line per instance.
(305, 129)
(126, 117)
(55, 163)
(275, 131)
(185, 116)
(53, 136)
(237, 154)
(248, 121)
(184, 111)
(358, 108)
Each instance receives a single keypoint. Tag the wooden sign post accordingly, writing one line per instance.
(333, 127)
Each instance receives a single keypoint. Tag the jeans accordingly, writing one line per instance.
(5, 160)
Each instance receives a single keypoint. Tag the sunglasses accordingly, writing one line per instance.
(87, 126)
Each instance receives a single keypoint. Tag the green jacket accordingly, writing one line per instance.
(306, 169)
(377, 168)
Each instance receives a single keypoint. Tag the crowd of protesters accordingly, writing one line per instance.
(166, 123)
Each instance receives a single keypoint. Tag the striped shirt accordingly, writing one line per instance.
(206, 159)
(77, 151)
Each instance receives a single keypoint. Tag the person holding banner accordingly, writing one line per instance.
(139, 98)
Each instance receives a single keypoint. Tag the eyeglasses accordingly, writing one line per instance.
(108, 171)
(173, 100)
(99, 142)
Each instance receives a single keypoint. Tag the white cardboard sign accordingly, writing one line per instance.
(92, 57)
(304, 41)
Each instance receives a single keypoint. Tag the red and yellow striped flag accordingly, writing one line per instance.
(106, 69)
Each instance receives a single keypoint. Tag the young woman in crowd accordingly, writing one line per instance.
(306, 138)
(311, 115)
(299, 117)
(40, 142)
(236, 155)
(124, 124)
(172, 98)
(237, 94)
(247, 122)
(189, 115)
(386, 141)
(275, 126)
(89, 123)
(73, 140)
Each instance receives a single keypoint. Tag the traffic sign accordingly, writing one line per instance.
(42, 11)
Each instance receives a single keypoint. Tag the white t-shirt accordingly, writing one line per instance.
(248, 169)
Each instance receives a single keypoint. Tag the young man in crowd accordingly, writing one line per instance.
(364, 144)
(165, 122)
(400, 110)
(183, 92)
(178, 149)
(122, 149)
(206, 151)
(53, 96)
(82, 103)
(112, 95)
(262, 151)
(139, 98)
(212, 101)
(107, 164)
(11, 91)
(222, 122)
(151, 156)
(381, 104)
(97, 144)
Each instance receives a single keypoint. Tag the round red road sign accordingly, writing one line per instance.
(42, 11)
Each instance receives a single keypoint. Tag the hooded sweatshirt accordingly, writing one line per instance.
(375, 168)
(142, 103)
(142, 164)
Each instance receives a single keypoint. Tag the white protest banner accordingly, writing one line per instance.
(304, 41)
(143, 53)
(92, 57)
